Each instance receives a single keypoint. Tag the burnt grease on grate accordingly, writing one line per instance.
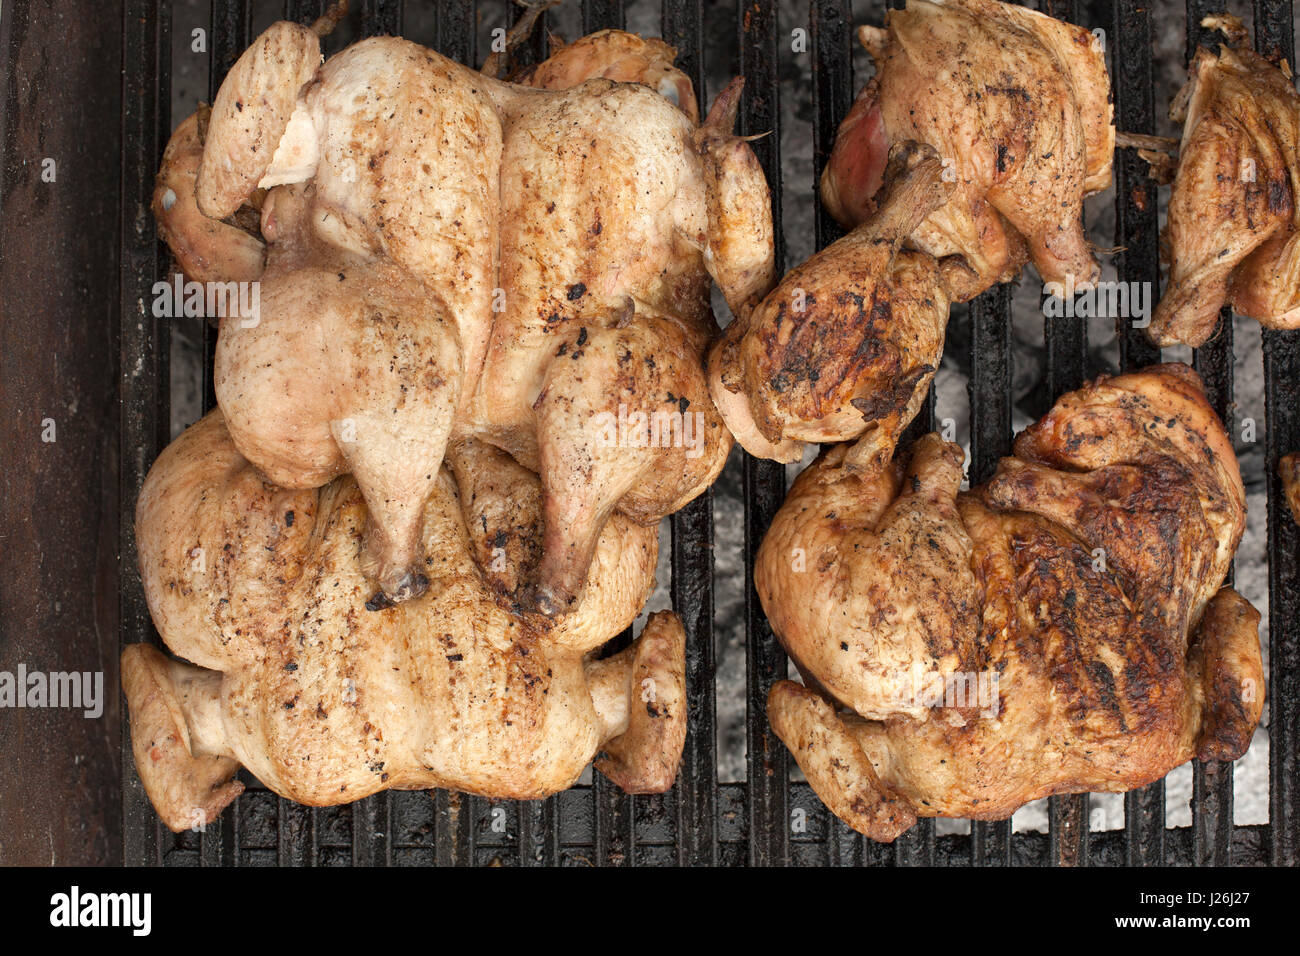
(701, 821)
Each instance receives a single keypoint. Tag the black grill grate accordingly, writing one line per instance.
(701, 821)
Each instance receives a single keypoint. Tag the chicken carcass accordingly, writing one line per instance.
(1232, 234)
(845, 347)
(1062, 628)
(1017, 105)
(447, 254)
(261, 588)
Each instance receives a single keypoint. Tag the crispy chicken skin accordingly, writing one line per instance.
(521, 263)
(1232, 231)
(1061, 628)
(262, 589)
(845, 347)
(1018, 107)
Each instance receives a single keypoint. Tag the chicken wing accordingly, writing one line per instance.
(1232, 231)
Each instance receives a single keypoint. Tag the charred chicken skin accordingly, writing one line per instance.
(983, 130)
(444, 255)
(1061, 628)
(845, 347)
(1232, 234)
(1017, 105)
(261, 589)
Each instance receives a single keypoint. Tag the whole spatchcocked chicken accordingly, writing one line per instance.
(432, 487)
(1233, 234)
(971, 149)
(449, 255)
(260, 590)
(1062, 628)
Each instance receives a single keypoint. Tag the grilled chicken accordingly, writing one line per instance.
(844, 348)
(261, 589)
(1018, 107)
(448, 255)
(1061, 628)
(1232, 231)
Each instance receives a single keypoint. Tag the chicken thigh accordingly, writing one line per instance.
(1017, 105)
(262, 589)
(1061, 628)
(1232, 234)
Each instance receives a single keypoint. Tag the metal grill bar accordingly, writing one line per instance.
(1066, 340)
(917, 846)
(991, 370)
(1274, 37)
(1212, 782)
(454, 814)
(766, 758)
(143, 343)
(602, 15)
(295, 11)
(1137, 225)
(831, 23)
(681, 24)
(381, 18)
(229, 36)
(457, 36)
(616, 811)
(1137, 231)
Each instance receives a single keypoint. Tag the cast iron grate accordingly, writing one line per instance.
(701, 821)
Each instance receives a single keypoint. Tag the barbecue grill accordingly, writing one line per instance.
(701, 821)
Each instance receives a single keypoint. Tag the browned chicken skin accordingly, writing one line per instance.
(1232, 232)
(1061, 628)
(1018, 107)
(616, 55)
(845, 347)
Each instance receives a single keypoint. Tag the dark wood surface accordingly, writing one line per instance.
(61, 797)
